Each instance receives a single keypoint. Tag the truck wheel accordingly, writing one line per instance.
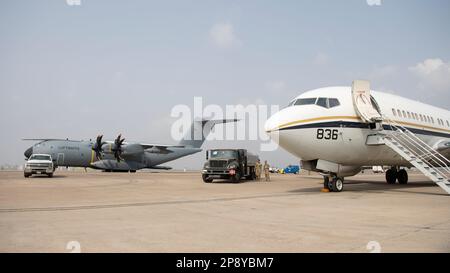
(206, 179)
(236, 178)
(50, 175)
(26, 175)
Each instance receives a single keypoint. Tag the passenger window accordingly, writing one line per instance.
(448, 124)
(322, 102)
(305, 101)
(432, 120)
(421, 117)
(409, 115)
(404, 113)
(399, 113)
(417, 116)
(393, 112)
(332, 102)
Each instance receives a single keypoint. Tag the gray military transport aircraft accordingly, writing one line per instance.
(119, 155)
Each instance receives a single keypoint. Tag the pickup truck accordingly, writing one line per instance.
(39, 164)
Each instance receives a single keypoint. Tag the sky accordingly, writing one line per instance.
(78, 68)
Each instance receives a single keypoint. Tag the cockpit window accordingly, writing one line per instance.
(305, 101)
(333, 102)
(322, 102)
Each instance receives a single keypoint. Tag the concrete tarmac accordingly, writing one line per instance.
(177, 212)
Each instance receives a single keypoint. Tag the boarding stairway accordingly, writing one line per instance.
(417, 152)
(401, 140)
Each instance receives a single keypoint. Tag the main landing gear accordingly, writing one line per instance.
(333, 184)
(394, 174)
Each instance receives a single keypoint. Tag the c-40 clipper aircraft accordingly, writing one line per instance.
(338, 130)
(119, 155)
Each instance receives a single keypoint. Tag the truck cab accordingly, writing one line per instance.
(231, 164)
(39, 164)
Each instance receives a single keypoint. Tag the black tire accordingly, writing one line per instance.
(326, 183)
(391, 176)
(206, 179)
(252, 175)
(26, 175)
(236, 178)
(402, 177)
(50, 175)
(337, 184)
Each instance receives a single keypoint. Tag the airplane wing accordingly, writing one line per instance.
(159, 148)
(48, 139)
(40, 139)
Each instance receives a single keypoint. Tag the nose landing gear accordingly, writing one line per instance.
(333, 184)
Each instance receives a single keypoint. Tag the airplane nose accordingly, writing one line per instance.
(28, 152)
(272, 123)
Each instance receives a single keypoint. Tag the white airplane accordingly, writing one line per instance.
(338, 130)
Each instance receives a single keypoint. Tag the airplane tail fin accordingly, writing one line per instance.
(199, 130)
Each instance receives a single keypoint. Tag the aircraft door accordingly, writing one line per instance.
(60, 159)
(363, 103)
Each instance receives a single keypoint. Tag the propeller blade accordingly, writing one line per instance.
(97, 147)
(118, 147)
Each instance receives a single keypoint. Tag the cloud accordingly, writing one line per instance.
(223, 36)
(321, 59)
(432, 73)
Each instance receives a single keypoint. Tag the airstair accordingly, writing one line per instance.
(401, 140)
(417, 152)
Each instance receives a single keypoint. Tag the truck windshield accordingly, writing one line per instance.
(223, 154)
(40, 157)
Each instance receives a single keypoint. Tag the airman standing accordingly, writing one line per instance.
(266, 170)
(258, 170)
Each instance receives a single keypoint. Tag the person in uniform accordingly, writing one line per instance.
(258, 170)
(266, 170)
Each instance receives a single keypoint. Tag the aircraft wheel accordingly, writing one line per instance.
(402, 177)
(391, 176)
(337, 184)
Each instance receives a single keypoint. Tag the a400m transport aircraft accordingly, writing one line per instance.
(338, 130)
(119, 155)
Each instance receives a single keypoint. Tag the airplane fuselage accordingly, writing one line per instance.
(80, 154)
(338, 134)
